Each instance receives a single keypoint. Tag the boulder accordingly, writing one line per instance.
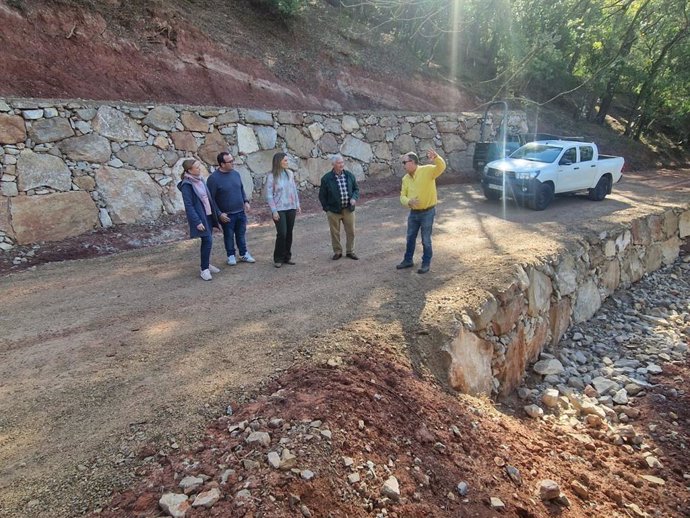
(52, 217)
(258, 117)
(298, 143)
(162, 118)
(132, 196)
(117, 126)
(246, 140)
(194, 122)
(357, 149)
(141, 157)
(469, 368)
(90, 148)
(12, 129)
(50, 130)
(184, 141)
(42, 170)
(215, 143)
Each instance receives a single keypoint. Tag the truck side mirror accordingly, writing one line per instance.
(565, 161)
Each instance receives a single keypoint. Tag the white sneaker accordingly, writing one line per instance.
(213, 269)
(206, 274)
(231, 260)
(247, 258)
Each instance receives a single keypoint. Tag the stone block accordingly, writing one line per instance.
(641, 234)
(246, 140)
(670, 250)
(141, 157)
(316, 168)
(609, 276)
(50, 130)
(117, 126)
(587, 301)
(215, 143)
(653, 257)
(89, 148)
(12, 129)
(131, 196)
(559, 319)
(162, 118)
(42, 170)
(358, 149)
(683, 225)
(194, 122)
(267, 137)
(539, 292)
(5, 218)
(298, 143)
(376, 134)
(52, 217)
(379, 170)
(469, 363)
(258, 117)
(508, 314)
(261, 162)
(290, 118)
(329, 144)
(184, 141)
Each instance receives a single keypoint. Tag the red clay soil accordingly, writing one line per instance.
(209, 52)
(380, 410)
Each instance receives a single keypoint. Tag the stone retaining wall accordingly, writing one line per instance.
(71, 166)
(496, 341)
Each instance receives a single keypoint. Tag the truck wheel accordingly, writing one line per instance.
(601, 189)
(492, 195)
(543, 197)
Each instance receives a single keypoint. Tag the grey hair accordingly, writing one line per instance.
(336, 157)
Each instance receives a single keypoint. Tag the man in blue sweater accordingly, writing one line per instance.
(225, 186)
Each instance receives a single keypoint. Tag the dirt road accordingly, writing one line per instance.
(103, 355)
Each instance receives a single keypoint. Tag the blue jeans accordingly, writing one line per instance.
(424, 220)
(235, 230)
(206, 245)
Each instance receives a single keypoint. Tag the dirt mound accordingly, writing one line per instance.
(352, 426)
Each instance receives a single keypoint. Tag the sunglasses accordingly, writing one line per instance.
(229, 162)
(406, 161)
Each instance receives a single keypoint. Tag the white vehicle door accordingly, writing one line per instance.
(588, 167)
(568, 171)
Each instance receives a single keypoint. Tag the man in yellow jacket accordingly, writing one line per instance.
(418, 192)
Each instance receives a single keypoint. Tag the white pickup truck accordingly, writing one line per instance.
(537, 171)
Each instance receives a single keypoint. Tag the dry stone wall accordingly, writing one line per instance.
(499, 338)
(67, 167)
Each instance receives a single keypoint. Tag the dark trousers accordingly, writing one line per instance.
(235, 230)
(283, 249)
(207, 245)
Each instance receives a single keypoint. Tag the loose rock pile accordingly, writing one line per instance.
(595, 377)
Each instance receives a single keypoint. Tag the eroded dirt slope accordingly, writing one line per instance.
(209, 52)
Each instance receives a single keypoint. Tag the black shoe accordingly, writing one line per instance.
(336, 256)
(423, 269)
(288, 261)
(352, 255)
(404, 265)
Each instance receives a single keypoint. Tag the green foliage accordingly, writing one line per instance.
(585, 53)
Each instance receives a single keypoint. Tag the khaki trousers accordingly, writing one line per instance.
(348, 219)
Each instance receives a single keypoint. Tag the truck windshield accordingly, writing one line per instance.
(537, 153)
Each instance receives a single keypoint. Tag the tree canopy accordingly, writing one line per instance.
(580, 53)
